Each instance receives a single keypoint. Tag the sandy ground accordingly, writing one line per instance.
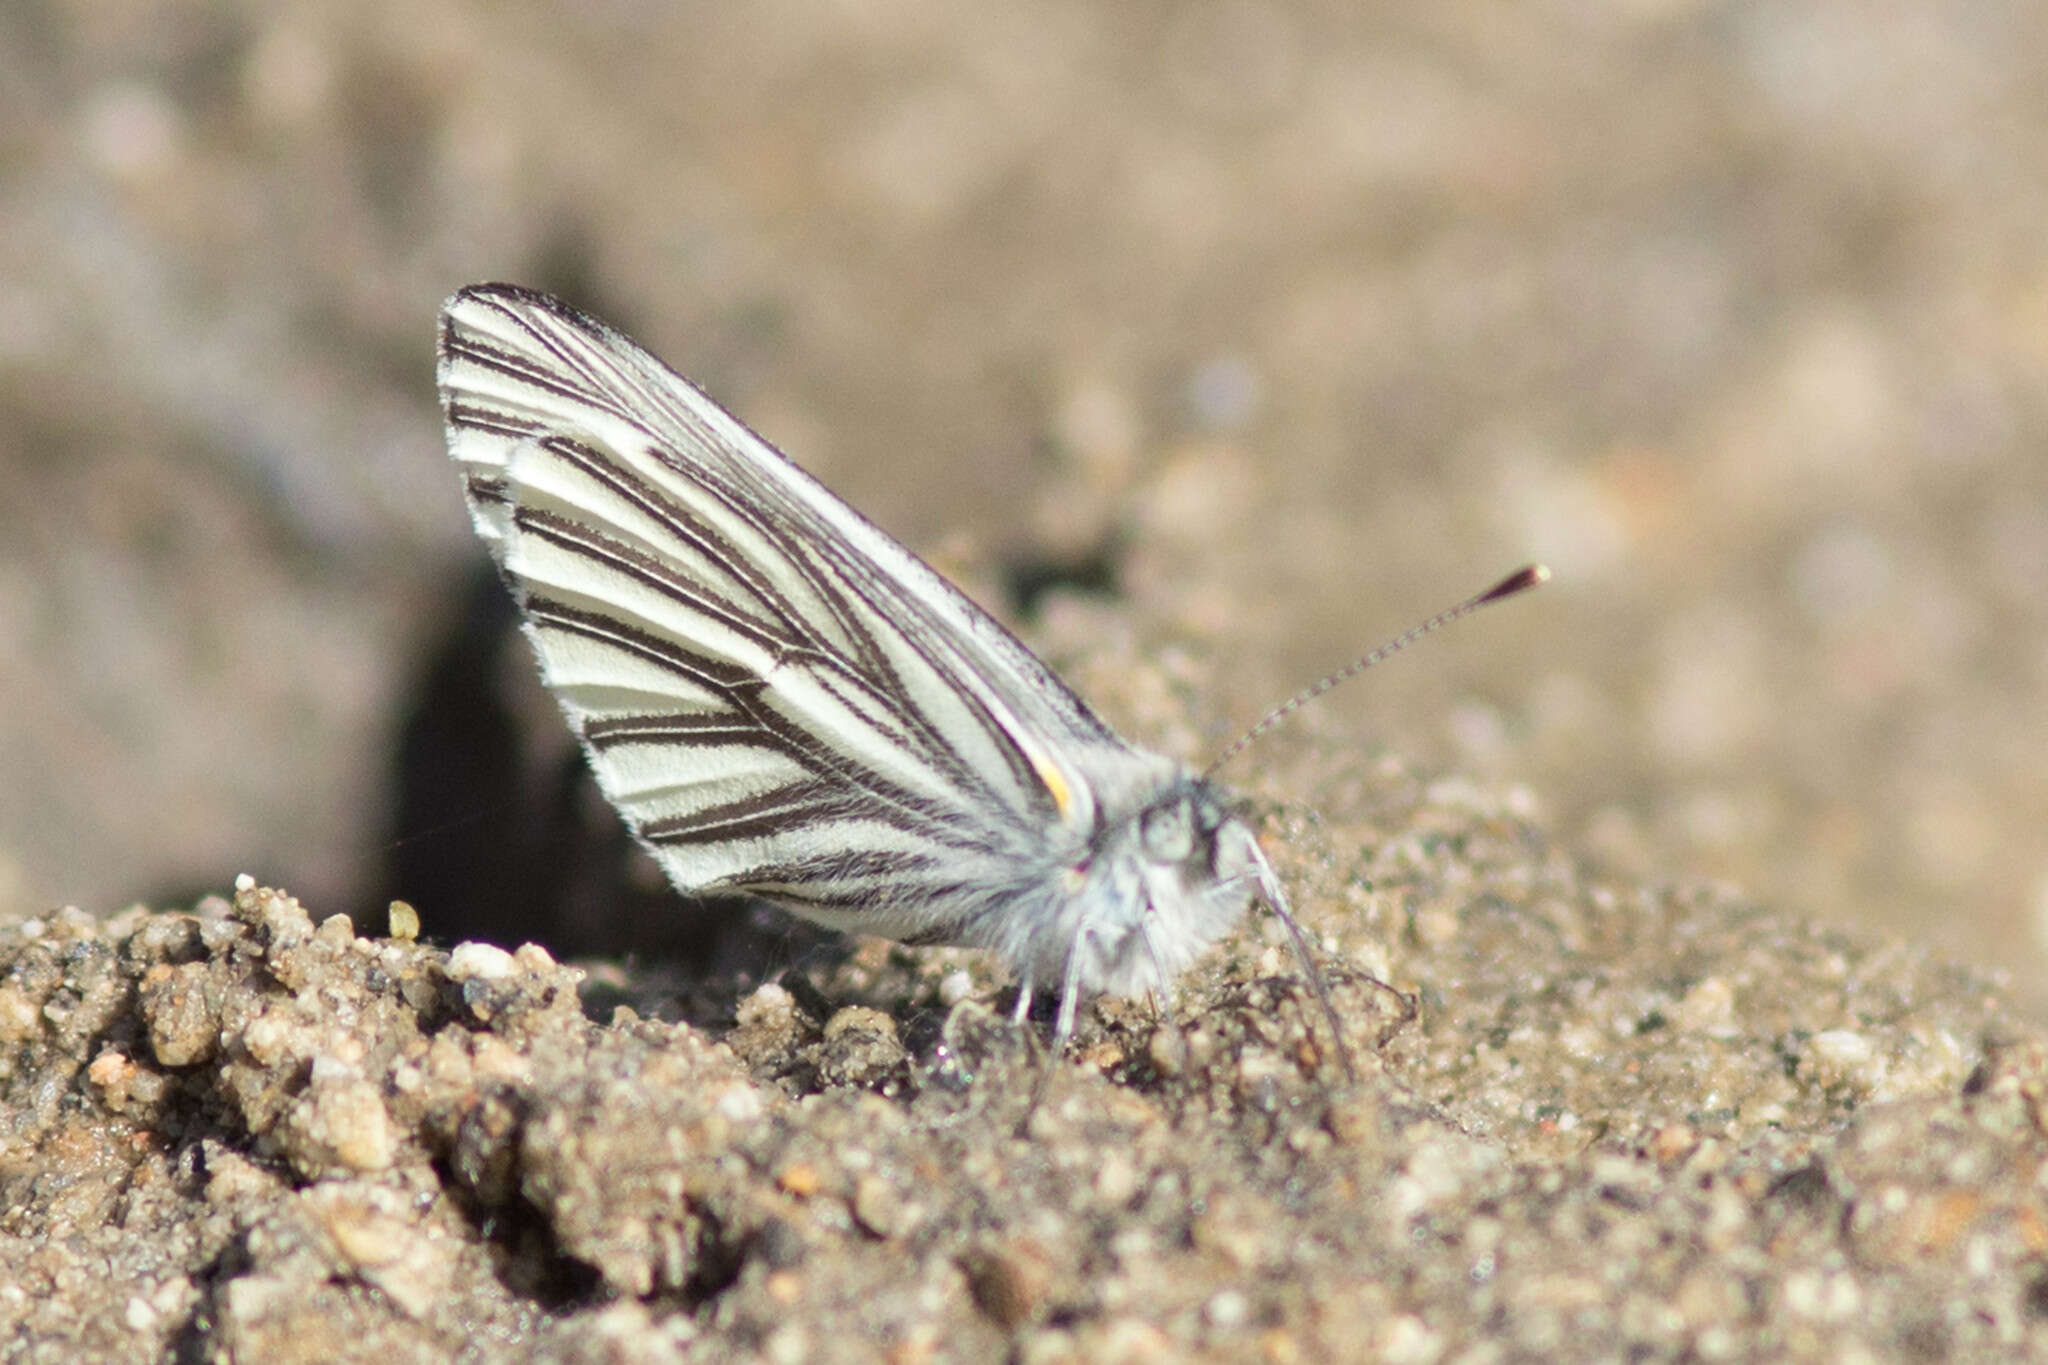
(1213, 343)
(1290, 323)
(1600, 1122)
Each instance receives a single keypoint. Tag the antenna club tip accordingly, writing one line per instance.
(1522, 579)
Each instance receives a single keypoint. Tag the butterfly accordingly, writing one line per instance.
(783, 702)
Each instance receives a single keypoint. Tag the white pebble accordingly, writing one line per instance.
(1226, 1308)
(954, 987)
(485, 960)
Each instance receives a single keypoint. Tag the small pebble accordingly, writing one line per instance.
(479, 961)
(404, 921)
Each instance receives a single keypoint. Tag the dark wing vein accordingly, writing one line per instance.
(774, 707)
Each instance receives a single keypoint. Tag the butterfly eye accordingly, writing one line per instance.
(1168, 832)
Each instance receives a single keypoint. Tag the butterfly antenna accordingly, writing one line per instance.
(1522, 579)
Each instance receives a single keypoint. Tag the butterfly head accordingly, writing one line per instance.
(1181, 836)
(1162, 884)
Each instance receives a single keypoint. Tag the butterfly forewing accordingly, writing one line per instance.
(779, 698)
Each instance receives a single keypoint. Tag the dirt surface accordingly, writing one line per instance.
(1608, 1122)
(1286, 324)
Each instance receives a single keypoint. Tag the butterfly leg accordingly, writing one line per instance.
(1070, 989)
(1063, 1025)
(1146, 937)
(1022, 1010)
(1276, 899)
(1164, 994)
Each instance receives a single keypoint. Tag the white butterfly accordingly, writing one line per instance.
(783, 702)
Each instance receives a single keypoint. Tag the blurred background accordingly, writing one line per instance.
(1257, 331)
